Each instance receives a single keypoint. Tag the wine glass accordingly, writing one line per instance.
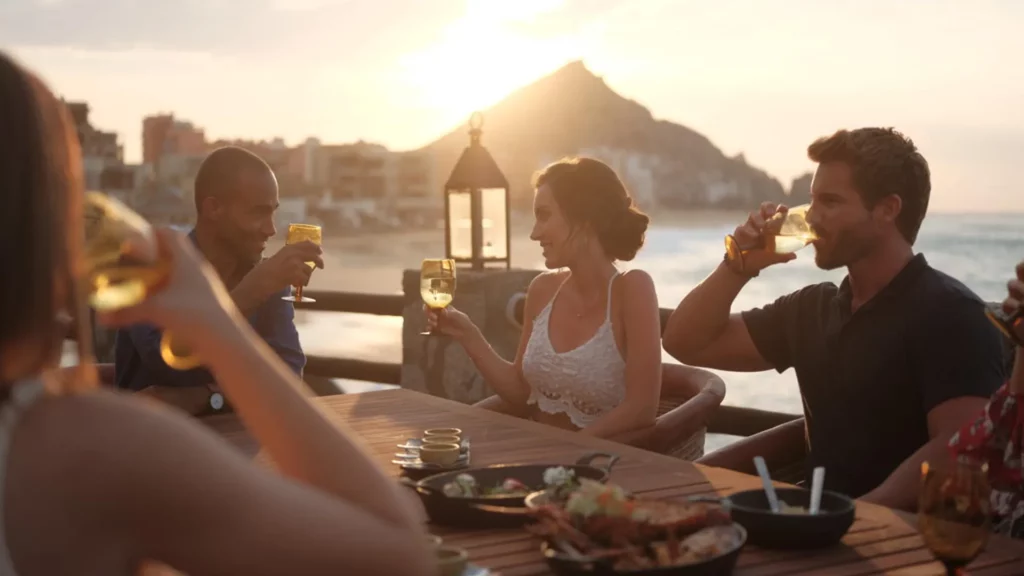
(300, 233)
(954, 511)
(783, 233)
(786, 233)
(437, 284)
(123, 265)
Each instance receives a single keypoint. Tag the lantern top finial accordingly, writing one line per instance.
(476, 122)
(475, 168)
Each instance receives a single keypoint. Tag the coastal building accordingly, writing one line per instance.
(367, 182)
(100, 150)
(163, 135)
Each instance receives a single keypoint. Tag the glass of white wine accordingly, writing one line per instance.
(123, 265)
(437, 284)
(301, 233)
(789, 232)
(783, 233)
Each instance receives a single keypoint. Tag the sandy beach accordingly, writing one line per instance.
(373, 262)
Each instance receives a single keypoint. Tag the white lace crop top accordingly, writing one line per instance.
(584, 383)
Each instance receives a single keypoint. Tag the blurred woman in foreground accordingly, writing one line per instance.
(997, 436)
(96, 483)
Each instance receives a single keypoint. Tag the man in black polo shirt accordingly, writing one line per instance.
(890, 363)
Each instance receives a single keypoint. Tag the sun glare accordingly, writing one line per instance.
(484, 55)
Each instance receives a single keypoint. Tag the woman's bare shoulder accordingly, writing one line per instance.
(107, 472)
(542, 289)
(544, 285)
(84, 467)
(104, 415)
(636, 278)
(549, 280)
(86, 444)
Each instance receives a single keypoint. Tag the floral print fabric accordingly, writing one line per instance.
(997, 437)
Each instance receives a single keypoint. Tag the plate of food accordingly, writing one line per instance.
(600, 529)
(495, 495)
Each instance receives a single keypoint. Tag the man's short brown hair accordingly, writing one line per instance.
(883, 162)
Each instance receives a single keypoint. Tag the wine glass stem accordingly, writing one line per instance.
(298, 293)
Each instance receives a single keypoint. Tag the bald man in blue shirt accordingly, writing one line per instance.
(236, 195)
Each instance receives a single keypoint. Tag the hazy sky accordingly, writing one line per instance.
(759, 76)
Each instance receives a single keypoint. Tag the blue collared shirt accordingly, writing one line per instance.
(137, 361)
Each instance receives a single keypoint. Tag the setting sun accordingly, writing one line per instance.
(484, 55)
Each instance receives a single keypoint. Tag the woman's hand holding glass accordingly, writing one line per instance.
(451, 322)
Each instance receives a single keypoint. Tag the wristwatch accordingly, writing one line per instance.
(216, 403)
(734, 258)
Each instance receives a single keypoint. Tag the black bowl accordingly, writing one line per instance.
(769, 530)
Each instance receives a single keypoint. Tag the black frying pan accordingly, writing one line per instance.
(495, 511)
(767, 529)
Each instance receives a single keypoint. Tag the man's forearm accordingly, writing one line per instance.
(900, 489)
(704, 313)
(781, 446)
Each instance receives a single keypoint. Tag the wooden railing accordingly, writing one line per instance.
(734, 420)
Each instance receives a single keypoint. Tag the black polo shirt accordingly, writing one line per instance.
(868, 379)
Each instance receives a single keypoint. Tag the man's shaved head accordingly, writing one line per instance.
(236, 197)
(220, 174)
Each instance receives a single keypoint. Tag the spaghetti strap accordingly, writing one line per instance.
(560, 286)
(608, 312)
(551, 303)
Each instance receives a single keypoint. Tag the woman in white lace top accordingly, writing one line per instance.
(98, 483)
(589, 357)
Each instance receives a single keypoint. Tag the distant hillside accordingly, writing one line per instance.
(572, 111)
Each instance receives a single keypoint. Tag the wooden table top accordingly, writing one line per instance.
(881, 541)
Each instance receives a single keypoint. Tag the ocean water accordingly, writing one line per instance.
(980, 250)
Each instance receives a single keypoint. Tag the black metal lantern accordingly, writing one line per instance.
(476, 206)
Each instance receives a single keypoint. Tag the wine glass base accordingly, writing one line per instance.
(294, 299)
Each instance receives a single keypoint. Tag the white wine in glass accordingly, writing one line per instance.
(123, 264)
(437, 283)
(789, 232)
(301, 233)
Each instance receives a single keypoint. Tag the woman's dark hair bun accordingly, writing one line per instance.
(590, 193)
(625, 235)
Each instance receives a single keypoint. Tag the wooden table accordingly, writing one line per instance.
(881, 541)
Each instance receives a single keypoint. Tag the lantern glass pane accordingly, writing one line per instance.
(495, 222)
(460, 229)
